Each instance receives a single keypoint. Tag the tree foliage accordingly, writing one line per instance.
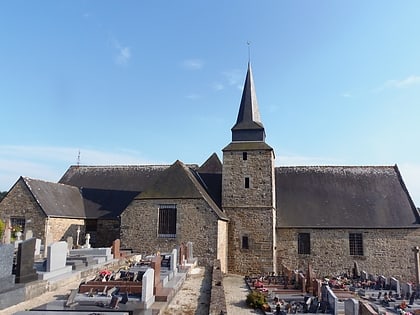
(2, 194)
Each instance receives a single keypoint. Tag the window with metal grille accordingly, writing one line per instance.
(356, 244)
(167, 221)
(18, 223)
(304, 243)
(245, 156)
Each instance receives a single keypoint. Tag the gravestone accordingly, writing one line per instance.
(174, 260)
(147, 296)
(182, 254)
(155, 264)
(190, 252)
(382, 282)
(351, 307)
(364, 275)
(116, 248)
(356, 270)
(7, 279)
(37, 248)
(56, 261)
(394, 284)
(70, 243)
(87, 241)
(25, 271)
(56, 256)
(406, 290)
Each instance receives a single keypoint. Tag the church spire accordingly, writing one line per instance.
(248, 125)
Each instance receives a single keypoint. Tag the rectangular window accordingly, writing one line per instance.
(244, 156)
(246, 182)
(167, 221)
(356, 244)
(304, 243)
(245, 242)
(17, 224)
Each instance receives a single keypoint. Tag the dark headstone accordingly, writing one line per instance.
(7, 280)
(114, 302)
(124, 298)
(25, 271)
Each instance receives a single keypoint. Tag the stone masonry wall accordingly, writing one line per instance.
(20, 203)
(196, 222)
(222, 245)
(256, 225)
(250, 210)
(61, 228)
(107, 232)
(259, 168)
(386, 251)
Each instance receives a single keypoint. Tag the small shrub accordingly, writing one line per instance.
(256, 299)
(2, 228)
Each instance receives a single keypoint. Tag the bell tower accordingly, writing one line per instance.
(248, 190)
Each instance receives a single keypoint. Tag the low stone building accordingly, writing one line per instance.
(251, 215)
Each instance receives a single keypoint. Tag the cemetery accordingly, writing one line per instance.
(111, 279)
(293, 291)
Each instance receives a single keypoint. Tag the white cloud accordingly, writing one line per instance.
(123, 53)
(193, 96)
(346, 95)
(233, 77)
(218, 86)
(407, 82)
(193, 64)
(50, 163)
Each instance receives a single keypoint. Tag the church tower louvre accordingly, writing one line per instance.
(248, 190)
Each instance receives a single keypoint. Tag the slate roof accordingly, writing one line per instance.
(118, 177)
(343, 197)
(108, 190)
(56, 200)
(211, 177)
(180, 182)
(248, 126)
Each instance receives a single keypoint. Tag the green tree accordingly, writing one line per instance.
(2, 194)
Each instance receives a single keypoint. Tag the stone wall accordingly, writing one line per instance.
(20, 203)
(250, 210)
(217, 296)
(196, 223)
(222, 245)
(107, 232)
(387, 252)
(61, 228)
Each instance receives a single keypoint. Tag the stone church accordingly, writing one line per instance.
(253, 216)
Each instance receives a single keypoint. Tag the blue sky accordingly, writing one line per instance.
(150, 82)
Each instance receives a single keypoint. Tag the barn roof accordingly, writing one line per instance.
(343, 197)
(114, 177)
(56, 200)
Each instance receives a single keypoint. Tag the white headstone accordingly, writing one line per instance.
(174, 261)
(87, 244)
(147, 282)
(37, 247)
(57, 256)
